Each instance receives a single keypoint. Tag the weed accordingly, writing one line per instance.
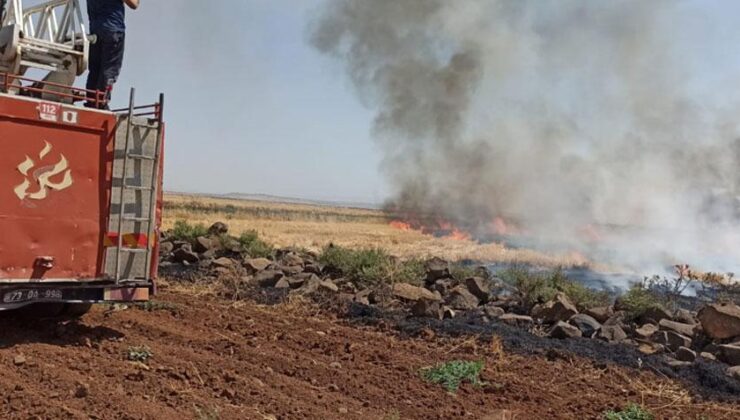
(539, 287)
(153, 306)
(205, 413)
(184, 231)
(371, 266)
(638, 300)
(460, 272)
(452, 374)
(139, 354)
(631, 412)
(254, 246)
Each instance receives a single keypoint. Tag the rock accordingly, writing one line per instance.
(500, 415)
(363, 296)
(671, 340)
(677, 327)
(617, 319)
(448, 313)
(493, 311)
(436, 268)
(460, 298)
(283, 284)
(611, 333)
(601, 313)
(297, 282)
(655, 314)
(720, 321)
(82, 390)
(328, 286)
(291, 270)
(562, 330)
(685, 316)
(413, 293)
(646, 331)
(729, 354)
(257, 264)
(19, 360)
(292, 259)
(675, 363)
(479, 287)
(310, 286)
(586, 324)
(165, 248)
(558, 309)
(218, 228)
(443, 286)
(650, 348)
(223, 262)
(313, 268)
(734, 372)
(268, 278)
(426, 309)
(685, 354)
(708, 356)
(517, 320)
(202, 244)
(185, 254)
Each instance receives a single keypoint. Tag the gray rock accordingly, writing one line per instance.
(685, 354)
(283, 284)
(413, 293)
(218, 228)
(671, 340)
(517, 320)
(479, 287)
(586, 324)
(729, 354)
(185, 254)
(562, 330)
(493, 311)
(558, 309)
(686, 316)
(708, 356)
(460, 298)
(720, 321)
(437, 268)
(165, 248)
(601, 313)
(363, 296)
(734, 372)
(202, 244)
(655, 315)
(223, 263)
(257, 264)
(328, 286)
(678, 327)
(268, 278)
(646, 331)
(427, 309)
(611, 333)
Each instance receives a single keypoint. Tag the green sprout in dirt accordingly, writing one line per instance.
(452, 374)
(139, 354)
(631, 412)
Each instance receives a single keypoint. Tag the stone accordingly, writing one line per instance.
(493, 311)
(611, 333)
(425, 308)
(563, 330)
(19, 360)
(558, 309)
(600, 313)
(646, 331)
(328, 286)
(685, 354)
(675, 363)
(185, 254)
(650, 348)
(678, 327)
(202, 244)
(313, 268)
(617, 319)
(671, 340)
(82, 390)
(292, 259)
(257, 264)
(283, 284)
(268, 278)
(734, 372)
(500, 415)
(218, 228)
(720, 321)
(310, 286)
(223, 262)
(413, 293)
(517, 320)
(708, 356)
(479, 287)
(297, 282)
(436, 268)
(655, 314)
(363, 296)
(586, 324)
(448, 313)
(729, 354)
(686, 316)
(461, 299)
(443, 286)
(291, 270)
(165, 248)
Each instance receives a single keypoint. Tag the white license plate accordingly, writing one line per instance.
(18, 296)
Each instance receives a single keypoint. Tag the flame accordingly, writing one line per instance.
(43, 176)
(458, 235)
(397, 224)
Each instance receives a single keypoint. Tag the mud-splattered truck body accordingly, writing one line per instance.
(80, 201)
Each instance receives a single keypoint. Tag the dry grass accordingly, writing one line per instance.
(313, 227)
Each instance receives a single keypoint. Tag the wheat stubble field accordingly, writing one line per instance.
(314, 226)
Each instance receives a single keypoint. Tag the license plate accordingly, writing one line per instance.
(18, 296)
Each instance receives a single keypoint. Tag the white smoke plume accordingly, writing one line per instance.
(562, 115)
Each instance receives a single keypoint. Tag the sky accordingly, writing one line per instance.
(250, 106)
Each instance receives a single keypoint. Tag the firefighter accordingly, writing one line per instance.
(108, 24)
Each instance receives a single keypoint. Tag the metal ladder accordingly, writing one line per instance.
(135, 210)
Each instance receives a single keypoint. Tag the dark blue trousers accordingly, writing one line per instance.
(105, 61)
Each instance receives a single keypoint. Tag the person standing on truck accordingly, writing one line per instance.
(108, 24)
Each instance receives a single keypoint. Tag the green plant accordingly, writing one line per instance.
(139, 354)
(452, 374)
(254, 246)
(184, 231)
(372, 266)
(631, 412)
(638, 300)
(460, 272)
(205, 413)
(538, 287)
(152, 306)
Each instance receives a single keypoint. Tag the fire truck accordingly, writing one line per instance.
(80, 188)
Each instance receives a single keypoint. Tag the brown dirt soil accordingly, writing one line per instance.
(213, 359)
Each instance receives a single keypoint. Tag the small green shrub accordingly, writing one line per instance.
(184, 231)
(638, 300)
(631, 412)
(537, 287)
(372, 266)
(153, 306)
(254, 246)
(452, 374)
(139, 354)
(460, 272)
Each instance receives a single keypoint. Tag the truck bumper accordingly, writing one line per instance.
(16, 295)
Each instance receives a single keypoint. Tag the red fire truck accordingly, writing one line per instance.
(80, 188)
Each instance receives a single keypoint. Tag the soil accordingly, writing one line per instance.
(216, 359)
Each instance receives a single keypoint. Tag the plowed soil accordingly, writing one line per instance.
(215, 359)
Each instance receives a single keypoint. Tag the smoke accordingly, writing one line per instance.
(561, 115)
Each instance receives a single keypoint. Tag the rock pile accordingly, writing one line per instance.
(713, 333)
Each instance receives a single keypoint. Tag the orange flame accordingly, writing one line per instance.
(458, 235)
(397, 224)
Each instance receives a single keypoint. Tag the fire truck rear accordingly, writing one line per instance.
(80, 188)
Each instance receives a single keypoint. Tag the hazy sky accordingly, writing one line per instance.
(251, 107)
